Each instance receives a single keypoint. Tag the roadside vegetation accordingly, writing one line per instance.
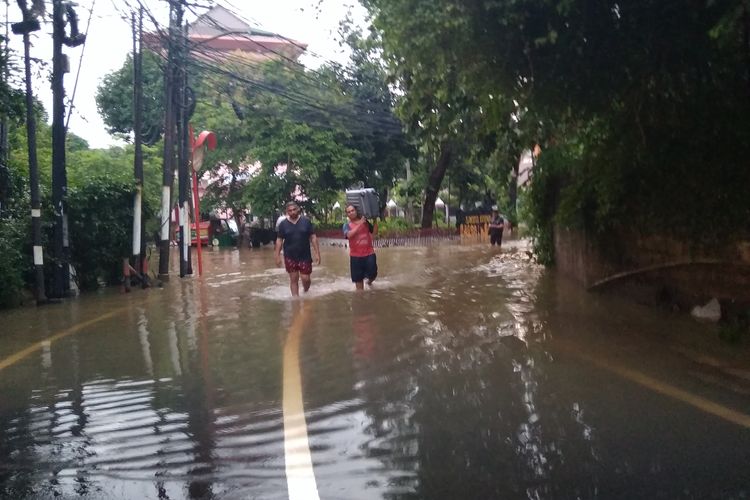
(639, 111)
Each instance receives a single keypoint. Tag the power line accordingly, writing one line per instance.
(80, 63)
(381, 120)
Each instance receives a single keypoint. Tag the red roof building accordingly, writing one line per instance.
(220, 33)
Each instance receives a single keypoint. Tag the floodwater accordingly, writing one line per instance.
(464, 373)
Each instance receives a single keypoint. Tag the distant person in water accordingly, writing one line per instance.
(362, 261)
(497, 223)
(296, 234)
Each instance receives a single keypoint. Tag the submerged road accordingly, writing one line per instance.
(463, 373)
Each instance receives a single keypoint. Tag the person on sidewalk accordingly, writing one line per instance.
(362, 261)
(296, 235)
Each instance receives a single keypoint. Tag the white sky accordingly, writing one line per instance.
(314, 22)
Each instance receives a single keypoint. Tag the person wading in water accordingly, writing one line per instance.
(296, 235)
(362, 261)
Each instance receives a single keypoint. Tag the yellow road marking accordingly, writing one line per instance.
(669, 390)
(15, 358)
(299, 470)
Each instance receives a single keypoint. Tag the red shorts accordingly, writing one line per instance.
(304, 267)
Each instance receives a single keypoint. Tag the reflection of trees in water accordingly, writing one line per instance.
(465, 406)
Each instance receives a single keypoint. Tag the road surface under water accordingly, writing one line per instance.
(464, 373)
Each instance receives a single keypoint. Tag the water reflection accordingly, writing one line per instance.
(464, 373)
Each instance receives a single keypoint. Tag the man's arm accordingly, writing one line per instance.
(346, 229)
(277, 250)
(315, 247)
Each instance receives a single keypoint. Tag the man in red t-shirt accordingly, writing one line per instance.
(362, 261)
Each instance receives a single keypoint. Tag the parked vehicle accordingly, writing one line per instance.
(259, 231)
(205, 230)
(224, 232)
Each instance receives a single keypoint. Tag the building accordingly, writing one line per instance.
(223, 32)
(219, 32)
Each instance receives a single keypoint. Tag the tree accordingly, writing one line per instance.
(630, 101)
(290, 119)
(114, 99)
(444, 108)
(383, 148)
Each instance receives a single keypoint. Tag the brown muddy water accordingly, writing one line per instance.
(464, 373)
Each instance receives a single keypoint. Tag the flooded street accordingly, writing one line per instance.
(464, 373)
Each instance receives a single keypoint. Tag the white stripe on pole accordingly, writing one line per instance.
(66, 239)
(38, 256)
(35, 212)
(165, 213)
(137, 221)
(184, 211)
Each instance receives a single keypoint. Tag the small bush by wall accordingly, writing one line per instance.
(14, 233)
(100, 220)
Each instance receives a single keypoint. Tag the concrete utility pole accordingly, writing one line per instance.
(60, 66)
(4, 154)
(139, 236)
(25, 27)
(175, 20)
(183, 157)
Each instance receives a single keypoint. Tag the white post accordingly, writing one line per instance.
(165, 213)
(137, 222)
(184, 214)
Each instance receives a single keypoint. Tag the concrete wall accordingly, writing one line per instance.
(657, 262)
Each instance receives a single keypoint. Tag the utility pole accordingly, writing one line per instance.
(183, 114)
(25, 27)
(60, 66)
(139, 239)
(5, 179)
(175, 19)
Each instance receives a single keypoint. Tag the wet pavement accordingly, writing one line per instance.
(464, 373)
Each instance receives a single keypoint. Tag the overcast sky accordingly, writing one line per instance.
(314, 22)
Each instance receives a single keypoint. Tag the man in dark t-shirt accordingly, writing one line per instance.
(497, 223)
(296, 234)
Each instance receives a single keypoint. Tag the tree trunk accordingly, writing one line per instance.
(433, 185)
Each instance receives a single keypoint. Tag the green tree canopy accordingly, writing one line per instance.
(634, 104)
(114, 99)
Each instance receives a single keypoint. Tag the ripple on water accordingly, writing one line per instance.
(320, 287)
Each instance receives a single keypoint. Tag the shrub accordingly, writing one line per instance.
(14, 233)
(100, 220)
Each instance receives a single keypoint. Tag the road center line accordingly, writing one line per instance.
(15, 358)
(299, 470)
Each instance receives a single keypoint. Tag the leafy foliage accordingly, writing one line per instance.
(293, 132)
(101, 215)
(447, 106)
(14, 233)
(114, 99)
(640, 108)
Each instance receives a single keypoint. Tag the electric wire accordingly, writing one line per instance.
(80, 63)
(214, 61)
(221, 57)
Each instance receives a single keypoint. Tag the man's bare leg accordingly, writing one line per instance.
(305, 282)
(294, 283)
(360, 285)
